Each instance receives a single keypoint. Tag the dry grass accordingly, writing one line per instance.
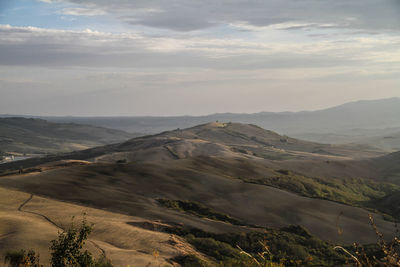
(133, 188)
(123, 243)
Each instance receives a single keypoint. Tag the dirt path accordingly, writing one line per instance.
(5, 235)
(38, 214)
(24, 203)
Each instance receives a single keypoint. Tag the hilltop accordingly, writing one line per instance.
(211, 139)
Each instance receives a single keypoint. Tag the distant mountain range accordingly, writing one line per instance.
(373, 122)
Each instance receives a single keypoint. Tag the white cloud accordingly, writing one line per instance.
(133, 73)
(81, 11)
(37, 46)
(188, 15)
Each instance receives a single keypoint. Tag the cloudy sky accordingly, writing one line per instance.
(177, 57)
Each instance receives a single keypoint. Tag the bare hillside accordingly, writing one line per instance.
(224, 179)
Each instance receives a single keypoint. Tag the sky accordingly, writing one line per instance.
(195, 57)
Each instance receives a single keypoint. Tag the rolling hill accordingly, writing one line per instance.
(37, 136)
(223, 181)
(230, 153)
(211, 139)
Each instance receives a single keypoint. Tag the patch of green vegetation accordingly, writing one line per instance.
(352, 191)
(197, 209)
(218, 250)
(388, 204)
(287, 245)
(189, 261)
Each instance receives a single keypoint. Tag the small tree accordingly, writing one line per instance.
(67, 250)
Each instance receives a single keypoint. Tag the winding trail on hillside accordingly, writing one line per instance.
(35, 213)
(24, 203)
(52, 222)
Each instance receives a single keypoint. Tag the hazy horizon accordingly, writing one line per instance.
(184, 57)
(206, 114)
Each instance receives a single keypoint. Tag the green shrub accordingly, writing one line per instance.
(289, 244)
(189, 261)
(67, 249)
(22, 258)
(216, 249)
(296, 229)
(198, 210)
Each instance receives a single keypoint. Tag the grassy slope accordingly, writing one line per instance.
(124, 243)
(30, 222)
(214, 160)
(301, 177)
(218, 177)
(134, 188)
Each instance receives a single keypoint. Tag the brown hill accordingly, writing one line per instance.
(212, 139)
(134, 188)
(253, 176)
(30, 222)
(228, 140)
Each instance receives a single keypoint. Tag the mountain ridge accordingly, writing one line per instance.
(361, 122)
(391, 100)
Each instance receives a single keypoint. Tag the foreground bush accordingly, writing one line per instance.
(66, 251)
(22, 259)
(382, 253)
